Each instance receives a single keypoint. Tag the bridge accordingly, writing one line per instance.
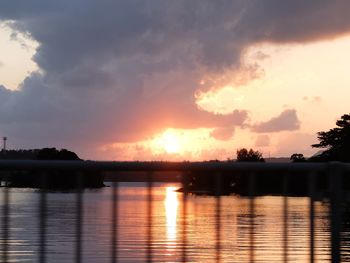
(336, 174)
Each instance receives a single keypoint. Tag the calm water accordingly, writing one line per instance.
(167, 231)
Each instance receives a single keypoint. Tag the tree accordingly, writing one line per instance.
(336, 141)
(297, 158)
(54, 154)
(243, 155)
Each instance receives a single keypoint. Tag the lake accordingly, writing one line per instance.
(167, 227)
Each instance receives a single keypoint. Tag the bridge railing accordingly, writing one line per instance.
(335, 174)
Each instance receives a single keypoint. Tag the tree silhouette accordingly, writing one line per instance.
(243, 155)
(336, 141)
(54, 154)
(297, 158)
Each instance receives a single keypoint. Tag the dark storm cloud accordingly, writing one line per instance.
(286, 121)
(122, 70)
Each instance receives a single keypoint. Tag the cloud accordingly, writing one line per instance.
(117, 71)
(262, 141)
(286, 121)
(259, 55)
(315, 99)
(223, 134)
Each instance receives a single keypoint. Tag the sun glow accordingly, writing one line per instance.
(170, 142)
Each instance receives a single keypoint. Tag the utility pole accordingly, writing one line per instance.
(4, 143)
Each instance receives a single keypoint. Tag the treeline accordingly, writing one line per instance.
(58, 179)
(39, 154)
(19, 154)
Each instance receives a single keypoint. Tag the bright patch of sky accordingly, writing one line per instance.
(16, 52)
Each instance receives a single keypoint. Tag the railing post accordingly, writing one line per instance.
(79, 218)
(252, 216)
(149, 216)
(115, 218)
(43, 217)
(218, 192)
(6, 223)
(335, 173)
(285, 216)
(185, 182)
(311, 190)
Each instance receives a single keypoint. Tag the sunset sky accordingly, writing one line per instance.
(172, 80)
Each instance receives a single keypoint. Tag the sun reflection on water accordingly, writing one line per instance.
(171, 205)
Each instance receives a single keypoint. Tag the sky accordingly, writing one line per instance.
(172, 80)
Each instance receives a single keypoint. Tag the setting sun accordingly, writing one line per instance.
(170, 142)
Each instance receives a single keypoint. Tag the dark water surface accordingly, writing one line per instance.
(167, 220)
